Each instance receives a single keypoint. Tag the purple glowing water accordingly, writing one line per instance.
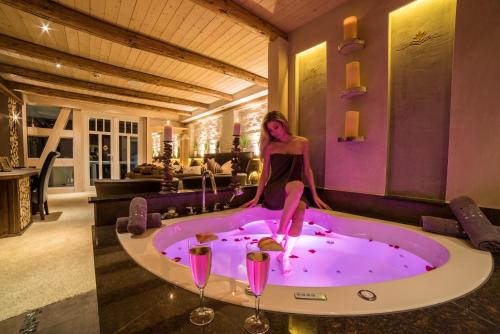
(320, 258)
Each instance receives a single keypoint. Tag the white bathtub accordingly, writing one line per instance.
(459, 268)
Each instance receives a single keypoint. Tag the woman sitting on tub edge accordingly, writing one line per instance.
(286, 159)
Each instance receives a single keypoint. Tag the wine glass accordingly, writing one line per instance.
(200, 257)
(257, 263)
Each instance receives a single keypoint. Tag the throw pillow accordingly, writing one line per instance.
(226, 167)
(192, 170)
(195, 162)
(213, 166)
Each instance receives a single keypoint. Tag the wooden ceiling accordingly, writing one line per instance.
(179, 55)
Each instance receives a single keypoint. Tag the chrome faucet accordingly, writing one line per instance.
(203, 188)
(237, 191)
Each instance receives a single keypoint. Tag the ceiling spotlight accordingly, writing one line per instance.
(45, 27)
(58, 65)
(96, 75)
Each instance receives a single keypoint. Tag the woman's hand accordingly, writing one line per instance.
(250, 204)
(320, 204)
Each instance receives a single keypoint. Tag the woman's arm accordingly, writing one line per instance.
(263, 180)
(310, 177)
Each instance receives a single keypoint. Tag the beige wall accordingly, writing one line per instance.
(474, 154)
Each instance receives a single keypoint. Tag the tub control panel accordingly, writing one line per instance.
(310, 295)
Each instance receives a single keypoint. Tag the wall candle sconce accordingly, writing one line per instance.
(351, 41)
(350, 28)
(352, 78)
(351, 128)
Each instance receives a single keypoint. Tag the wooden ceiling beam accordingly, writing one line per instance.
(59, 80)
(63, 15)
(41, 52)
(5, 89)
(241, 15)
(89, 98)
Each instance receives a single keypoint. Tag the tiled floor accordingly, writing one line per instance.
(132, 300)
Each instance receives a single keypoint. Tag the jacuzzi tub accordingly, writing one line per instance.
(422, 269)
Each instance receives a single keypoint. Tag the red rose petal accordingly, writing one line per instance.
(429, 268)
(396, 246)
(328, 231)
(223, 240)
(237, 239)
(241, 228)
(321, 234)
(255, 240)
(311, 223)
(370, 240)
(164, 253)
(246, 238)
(391, 245)
(312, 251)
(293, 256)
(176, 259)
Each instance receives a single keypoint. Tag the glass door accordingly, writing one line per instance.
(128, 146)
(100, 157)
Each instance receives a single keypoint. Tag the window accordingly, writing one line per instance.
(36, 145)
(69, 123)
(128, 127)
(42, 116)
(65, 147)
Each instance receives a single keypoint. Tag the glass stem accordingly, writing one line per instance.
(257, 306)
(201, 297)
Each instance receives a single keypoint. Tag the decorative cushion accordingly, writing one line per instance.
(226, 167)
(213, 166)
(192, 170)
(195, 162)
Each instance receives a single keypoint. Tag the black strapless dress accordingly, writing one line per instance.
(284, 168)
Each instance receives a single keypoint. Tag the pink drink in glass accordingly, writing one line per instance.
(257, 271)
(200, 258)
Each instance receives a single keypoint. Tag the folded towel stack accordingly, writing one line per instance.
(449, 227)
(482, 234)
(153, 220)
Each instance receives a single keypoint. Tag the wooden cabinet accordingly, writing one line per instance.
(15, 201)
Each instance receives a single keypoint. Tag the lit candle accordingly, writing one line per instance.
(352, 78)
(351, 128)
(167, 132)
(236, 129)
(350, 28)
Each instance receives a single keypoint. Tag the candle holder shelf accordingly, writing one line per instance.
(351, 45)
(358, 139)
(167, 186)
(235, 163)
(353, 92)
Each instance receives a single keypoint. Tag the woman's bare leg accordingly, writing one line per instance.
(292, 237)
(294, 191)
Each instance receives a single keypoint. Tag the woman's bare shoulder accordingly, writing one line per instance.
(301, 140)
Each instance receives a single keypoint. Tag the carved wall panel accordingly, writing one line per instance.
(421, 55)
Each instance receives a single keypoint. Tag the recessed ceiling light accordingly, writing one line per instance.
(58, 65)
(45, 27)
(96, 75)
